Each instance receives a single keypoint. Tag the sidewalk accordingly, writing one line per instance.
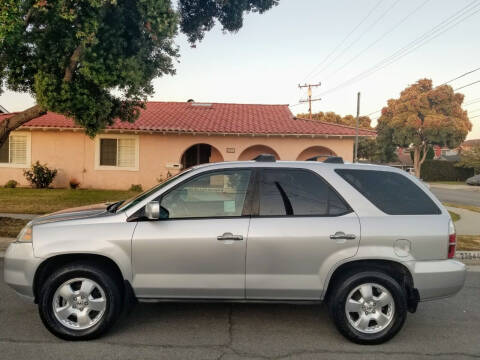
(469, 223)
(19, 216)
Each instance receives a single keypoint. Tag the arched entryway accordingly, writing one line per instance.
(200, 154)
(252, 152)
(321, 152)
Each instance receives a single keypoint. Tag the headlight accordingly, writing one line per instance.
(25, 236)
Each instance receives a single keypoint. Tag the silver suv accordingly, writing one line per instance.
(371, 241)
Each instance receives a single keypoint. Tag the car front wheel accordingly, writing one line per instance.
(368, 307)
(79, 301)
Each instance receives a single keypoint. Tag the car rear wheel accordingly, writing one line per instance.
(79, 301)
(369, 307)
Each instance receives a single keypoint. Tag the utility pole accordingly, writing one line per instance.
(309, 100)
(355, 158)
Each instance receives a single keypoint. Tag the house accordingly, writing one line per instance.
(468, 144)
(167, 137)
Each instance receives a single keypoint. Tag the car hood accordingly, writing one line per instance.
(81, 212)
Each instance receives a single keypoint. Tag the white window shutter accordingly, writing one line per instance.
(126, 153)
(18, 149)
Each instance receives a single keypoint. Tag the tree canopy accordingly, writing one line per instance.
(470, 158)
(424, 115)
(94, 60)
(331, 117)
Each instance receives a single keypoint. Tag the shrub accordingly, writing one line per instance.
(11, 184)
(136, 187)
(74, 183)
(441, 170)
(40, 176)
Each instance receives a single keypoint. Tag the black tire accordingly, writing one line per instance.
(338, 297)
(89, 270)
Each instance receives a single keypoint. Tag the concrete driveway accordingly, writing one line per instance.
(445, 329)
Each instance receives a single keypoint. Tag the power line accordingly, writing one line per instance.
(431, 34)
(473, 117)
(375, 22)
(360, 53)
(458, 77)
(473, 83)
(475, 110)
(474, 101)
(344, 39)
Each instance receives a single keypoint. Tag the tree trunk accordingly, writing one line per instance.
(17, 120)
(419, 158)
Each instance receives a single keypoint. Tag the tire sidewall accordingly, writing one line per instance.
(338, 301)
(51, 285)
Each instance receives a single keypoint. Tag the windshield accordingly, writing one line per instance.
(127, 204)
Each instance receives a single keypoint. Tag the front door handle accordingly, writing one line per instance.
(229, 236)
(340, 235)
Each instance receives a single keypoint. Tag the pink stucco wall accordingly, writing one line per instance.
(73, 154)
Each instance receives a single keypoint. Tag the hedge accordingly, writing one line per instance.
(441, 170)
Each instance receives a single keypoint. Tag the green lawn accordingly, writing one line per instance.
(454, 216)
(42, 201)
(448, 182)
(466, 207)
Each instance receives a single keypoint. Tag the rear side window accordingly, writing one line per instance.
(298, 193)
(391, 192)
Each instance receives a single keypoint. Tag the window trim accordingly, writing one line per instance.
(256, 205)
(28, 155)
(247, 204)
(116, 167)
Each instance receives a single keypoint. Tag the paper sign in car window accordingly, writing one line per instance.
(229, 206)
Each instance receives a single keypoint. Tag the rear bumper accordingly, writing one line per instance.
(437, 279)
(19, 268)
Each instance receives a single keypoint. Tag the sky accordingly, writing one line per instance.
(330, 42)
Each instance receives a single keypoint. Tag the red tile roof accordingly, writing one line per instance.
(212, 118)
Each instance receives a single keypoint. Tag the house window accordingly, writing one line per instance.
(15, 152)
(118, 152)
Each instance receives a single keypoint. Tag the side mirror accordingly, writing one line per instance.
(152, 210)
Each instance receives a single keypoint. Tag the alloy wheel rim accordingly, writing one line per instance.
(370, 308)
(79, 303)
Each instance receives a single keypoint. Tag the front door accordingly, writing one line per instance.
(197, 249)
(301, 224)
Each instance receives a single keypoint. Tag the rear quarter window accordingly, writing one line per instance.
(393, 193)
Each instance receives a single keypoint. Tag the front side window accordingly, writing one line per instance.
(216, 194)
(118, 152)
(15, 150)
(391, 192)
(298, 193)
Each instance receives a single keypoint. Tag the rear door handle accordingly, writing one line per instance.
(229, 236)
(340, 235)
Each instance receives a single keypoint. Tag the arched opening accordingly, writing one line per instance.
(252, 152)
(200, 154)
(321, 151)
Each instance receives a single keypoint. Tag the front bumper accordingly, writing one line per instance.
(19, 268)
(437, 279)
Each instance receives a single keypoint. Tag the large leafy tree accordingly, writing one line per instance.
(331, 117)
(423, 116)
(470, 158)
(94, 60)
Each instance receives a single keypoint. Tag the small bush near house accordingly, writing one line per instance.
(74, 183)
(136, 187)
(40, 176)
(11, 184)
(440, 170)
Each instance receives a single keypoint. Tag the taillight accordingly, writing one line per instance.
(452, 240)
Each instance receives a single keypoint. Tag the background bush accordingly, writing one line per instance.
(11, 184)
(40, 175)
(441, 170)
(136, 187)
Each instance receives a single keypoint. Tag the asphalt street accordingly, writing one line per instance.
(444, 329)
(457, 196)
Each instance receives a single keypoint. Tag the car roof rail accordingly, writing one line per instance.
(265, 158)
(329, 159)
